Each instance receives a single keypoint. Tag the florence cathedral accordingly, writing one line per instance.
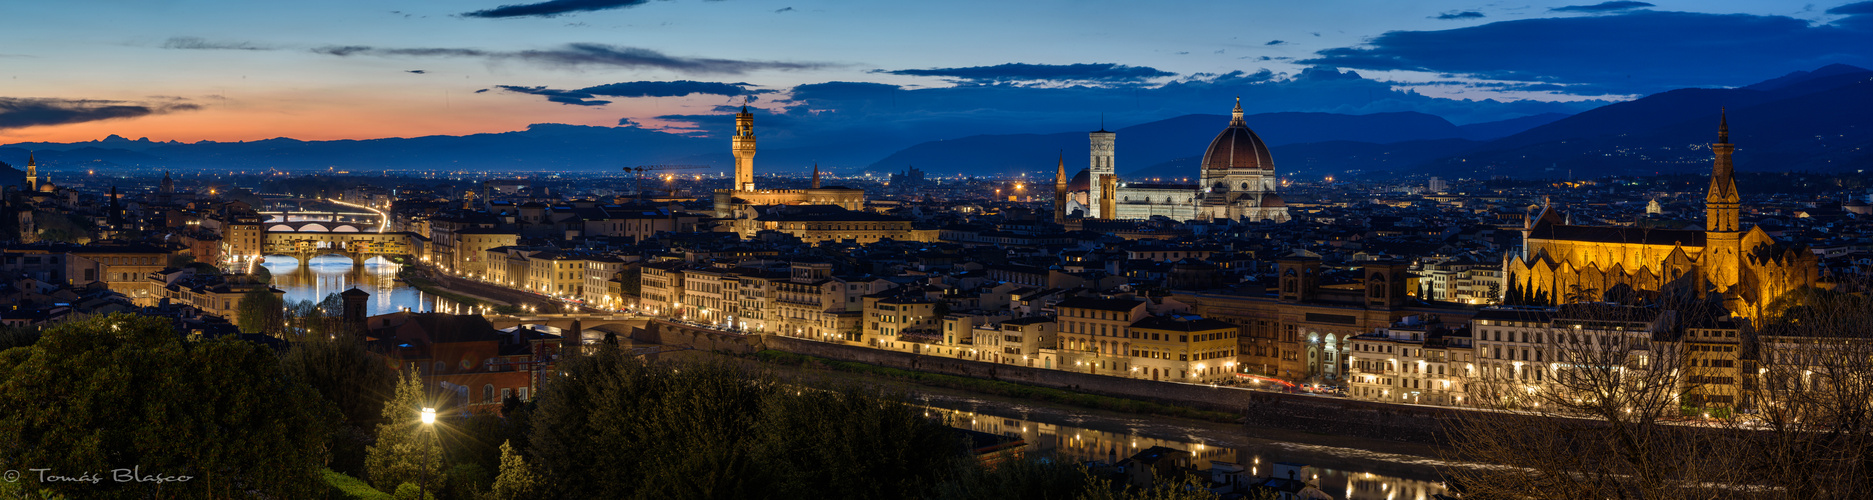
(1237, 182)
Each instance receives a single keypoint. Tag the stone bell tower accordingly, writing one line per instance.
(744, 150)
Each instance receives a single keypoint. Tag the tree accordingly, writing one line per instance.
(517, 479)
(1650, 413)
(411, 491)
(404, 448)
(718, 430)
(355, 381)
(69, 228)
(12, 336)
(631, 281)
(261, 311)
(204, 268)
(127, 392)
(1598, 423)
(324, 318)
(1814, 396)
(1577, 294)
(1515, 296)
(1020, 478)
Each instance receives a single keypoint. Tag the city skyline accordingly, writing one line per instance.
(1197, 250)
(192, 71)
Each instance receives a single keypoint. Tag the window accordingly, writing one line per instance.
(487, 393)
(506, 393)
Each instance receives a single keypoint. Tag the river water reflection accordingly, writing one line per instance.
(1345, 473)
(330, 274)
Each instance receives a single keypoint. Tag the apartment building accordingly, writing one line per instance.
(472, 245)
(1029, 342)
(754, 293)
(1410, 362)
(900, 321)
(1713, 367)
(662, 289)
(601, 286)
(1095, 334)
(1182, 348)
(959, 333)
(708, 296)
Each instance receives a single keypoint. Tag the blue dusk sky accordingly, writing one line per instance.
(228, 70)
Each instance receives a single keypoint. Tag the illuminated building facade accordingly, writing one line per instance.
(736, 205)
(1237, 181)
(1563, 263)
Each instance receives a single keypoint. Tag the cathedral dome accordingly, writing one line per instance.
(1272, 200)
(1082, 181)
(1237, 147)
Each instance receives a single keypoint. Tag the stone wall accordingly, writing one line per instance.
(1295, 412)
(668, 333)
(1298, 412)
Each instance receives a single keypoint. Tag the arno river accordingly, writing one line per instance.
(1078, 436)
(332, 274)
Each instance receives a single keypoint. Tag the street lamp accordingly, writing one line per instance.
(429, 424)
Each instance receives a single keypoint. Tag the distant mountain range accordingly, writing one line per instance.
(1169, 143)
(542, 147)
(1805, 121)
(1810, 120)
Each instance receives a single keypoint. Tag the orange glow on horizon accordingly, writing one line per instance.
(373, 118)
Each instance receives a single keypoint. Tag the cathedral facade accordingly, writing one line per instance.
(1561, 263)
(1237, 181)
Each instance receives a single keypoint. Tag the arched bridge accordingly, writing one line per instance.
(621, 324)
(359, 246)
(317, 226)
(567, 321)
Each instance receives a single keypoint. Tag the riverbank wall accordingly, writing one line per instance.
(671, 333)
(1296, 412)
(1293, 412)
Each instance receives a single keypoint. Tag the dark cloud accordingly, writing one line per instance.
(351, 50)
(783, 9)
(579, 55)
(417, 71)
(482, 91)
(835, 91)
(1276, 42)
(1105, 73)
(197, 43)
(673, 89)
(553, 8)
(585, 96)
(18, 112)
(1637, 52)
(1853, 9)
(572, 97)
(627, 122)
(857, 112)
(1613, 6)
(1468, 14)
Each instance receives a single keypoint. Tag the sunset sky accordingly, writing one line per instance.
(225, 70)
